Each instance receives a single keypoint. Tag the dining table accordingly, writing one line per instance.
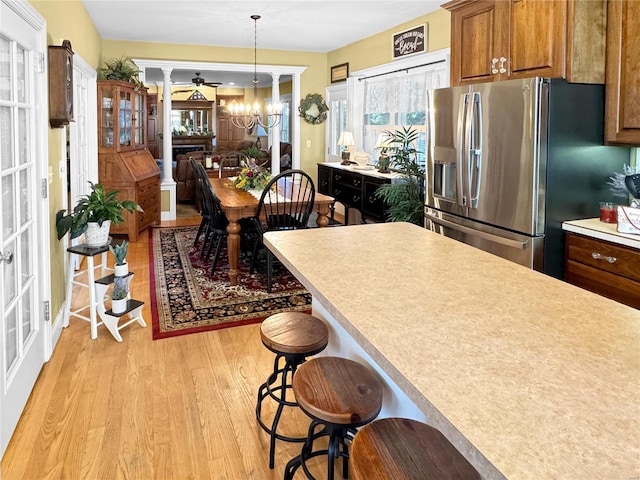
(238, 203)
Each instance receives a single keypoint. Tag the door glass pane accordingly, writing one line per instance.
(11, 339)
(6, 138)
(8, 206)
(22, 136)
(5, 69)
(25, 257)
(9, 276)
(27, 317)
(25, 213)
(21, 61)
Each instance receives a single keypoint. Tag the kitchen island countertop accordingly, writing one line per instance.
(528, 376)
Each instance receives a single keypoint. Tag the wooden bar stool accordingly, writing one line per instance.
(339, 395)
(292, 336)
(405, 449)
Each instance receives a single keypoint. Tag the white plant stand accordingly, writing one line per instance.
(97, 294)
(88, 252)
(133, 312)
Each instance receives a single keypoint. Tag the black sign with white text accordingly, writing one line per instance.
(409, 42)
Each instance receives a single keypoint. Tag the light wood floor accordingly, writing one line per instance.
(177, 408)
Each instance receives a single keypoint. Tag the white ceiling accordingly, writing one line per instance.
(301, 25)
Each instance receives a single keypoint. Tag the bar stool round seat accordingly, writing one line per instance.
(292, 336)
(405, 449)
(339, 395)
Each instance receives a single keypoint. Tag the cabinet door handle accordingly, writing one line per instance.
(598, 256)
(502, 69)
(494, 70)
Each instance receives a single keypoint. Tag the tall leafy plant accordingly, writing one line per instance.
(405, 199)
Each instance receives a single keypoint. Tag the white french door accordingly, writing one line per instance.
(336, 119)
(23, 250)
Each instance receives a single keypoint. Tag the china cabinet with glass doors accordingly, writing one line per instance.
(124, 162)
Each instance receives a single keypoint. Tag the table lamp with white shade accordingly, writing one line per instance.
(383, 143)
(346, 141)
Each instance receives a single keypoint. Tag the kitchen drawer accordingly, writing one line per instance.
(347, 179)
(609, 257)
(148, 186)
(347, 195)
(607, 284)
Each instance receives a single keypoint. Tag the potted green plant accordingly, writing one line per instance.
(93, 216)
(121, 267)
(122, 69)
(120, 294)
(254, 153)
(405, 199)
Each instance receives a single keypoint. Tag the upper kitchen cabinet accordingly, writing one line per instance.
(622, 117)
(498, 40)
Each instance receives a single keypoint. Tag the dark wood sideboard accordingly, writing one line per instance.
(354, 189)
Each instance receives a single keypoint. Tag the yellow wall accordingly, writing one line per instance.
(66, 20)
(377, 49)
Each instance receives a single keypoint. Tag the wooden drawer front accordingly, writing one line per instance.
(324, 181)
(347, 179)
(150, 216)
(616, 259)
(148, 187)
(348, 196)
(373, 206)
(603, 283)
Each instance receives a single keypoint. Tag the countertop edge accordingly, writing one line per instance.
(593, 227)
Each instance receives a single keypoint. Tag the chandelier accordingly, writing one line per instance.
(247, 116)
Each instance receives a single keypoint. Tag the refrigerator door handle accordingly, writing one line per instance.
(475, 149)
(461, 150)
(471, 231)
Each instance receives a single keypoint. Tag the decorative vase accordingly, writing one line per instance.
(121, 270)
(96, 235)
(119, 306)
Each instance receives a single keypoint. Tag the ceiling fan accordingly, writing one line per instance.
(197, 81)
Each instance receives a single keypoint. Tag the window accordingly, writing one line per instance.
(396, 100)
(336, 119)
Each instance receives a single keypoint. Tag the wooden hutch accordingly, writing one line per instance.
(124, 162)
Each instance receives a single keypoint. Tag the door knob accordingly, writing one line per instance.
(6, 257)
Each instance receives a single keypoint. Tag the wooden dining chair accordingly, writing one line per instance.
(200, 194)
(286, 204)
(231, 163)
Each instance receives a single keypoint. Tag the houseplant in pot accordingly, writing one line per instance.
(120, 294)
(121, 267)
(405, 199)
(93, 216)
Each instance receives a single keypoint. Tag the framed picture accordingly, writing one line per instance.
(410, 41)
(339, 73)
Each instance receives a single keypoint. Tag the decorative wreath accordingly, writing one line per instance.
(313, 109)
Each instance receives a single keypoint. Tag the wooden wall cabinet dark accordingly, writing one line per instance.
(352, 189)
(605, 268)
(60, 84)
(505, 39)
(622, 110)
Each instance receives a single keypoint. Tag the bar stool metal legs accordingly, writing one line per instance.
(292, 336)
(338, 395)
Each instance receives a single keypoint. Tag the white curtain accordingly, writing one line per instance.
(399, 99)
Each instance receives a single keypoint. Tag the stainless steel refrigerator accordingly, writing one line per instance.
(508, 162)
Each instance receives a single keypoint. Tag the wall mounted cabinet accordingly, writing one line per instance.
(503, 39)
(60, 84)
(622, 117)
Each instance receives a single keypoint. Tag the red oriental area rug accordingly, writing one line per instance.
(186, 299)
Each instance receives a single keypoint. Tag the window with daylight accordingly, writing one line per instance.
(394, 100)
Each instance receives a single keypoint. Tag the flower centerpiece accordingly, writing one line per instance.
(252, 177)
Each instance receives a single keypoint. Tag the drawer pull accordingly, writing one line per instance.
(598, 256)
